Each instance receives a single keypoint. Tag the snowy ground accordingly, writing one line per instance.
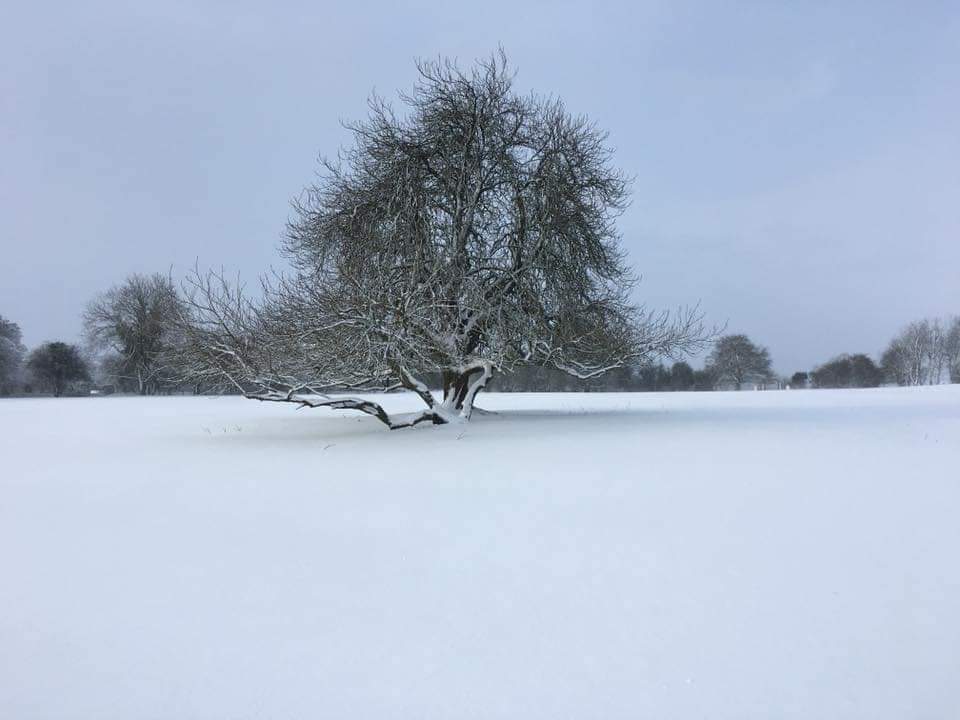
(719, 555)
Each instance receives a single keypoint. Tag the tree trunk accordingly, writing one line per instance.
(449, 378)
(455, 388)
(460, 389)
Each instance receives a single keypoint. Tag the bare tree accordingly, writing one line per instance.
(133, 321)
(474, 234)
(936, 357)
(922, 353)
(952, 349)
(735, 359)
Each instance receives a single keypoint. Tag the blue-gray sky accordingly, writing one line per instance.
(797, 164)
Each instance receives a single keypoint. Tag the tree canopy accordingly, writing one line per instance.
(56, 365)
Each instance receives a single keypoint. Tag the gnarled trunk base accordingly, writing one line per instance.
(460, 388)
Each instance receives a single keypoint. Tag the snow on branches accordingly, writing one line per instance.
(472, 234)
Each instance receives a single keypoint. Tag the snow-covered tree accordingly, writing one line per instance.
(735, 360)
(131, 324)
(474, 233)
(12, 353)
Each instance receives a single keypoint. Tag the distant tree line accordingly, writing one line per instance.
(656, 377)
(131, 342)
(925, 352)
(735, 363)
(131, 345)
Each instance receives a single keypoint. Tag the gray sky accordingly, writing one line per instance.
(797, 164)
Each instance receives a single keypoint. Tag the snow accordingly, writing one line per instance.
(722, 555)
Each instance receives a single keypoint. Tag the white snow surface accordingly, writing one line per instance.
(689, 555)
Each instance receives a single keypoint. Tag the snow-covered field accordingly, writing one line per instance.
(717, 555)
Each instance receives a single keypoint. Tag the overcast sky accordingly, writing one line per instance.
(797, 164)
